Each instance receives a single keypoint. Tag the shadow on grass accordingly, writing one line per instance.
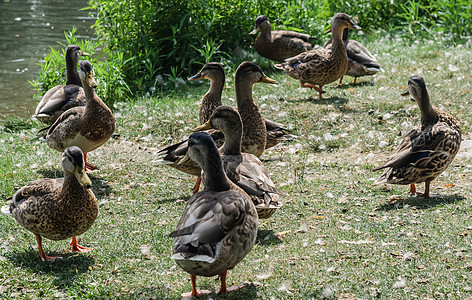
(64, 271)
(173, 199)
(421, 203)
(267, 237)
(347, 84)
(333, 100)
(248, 292)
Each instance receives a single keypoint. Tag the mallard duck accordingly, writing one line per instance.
(427, 150)
(218, 226)
(360, 61)
(276, 132)
(243, 169)
(57, 209)
(321, 66)
(279, 45)
(254, 131)
(212, 99)
(60, 98)
(87, 127)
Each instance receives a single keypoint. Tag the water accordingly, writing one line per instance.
(27, 29)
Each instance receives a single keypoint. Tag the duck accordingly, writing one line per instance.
(57, 208)
(279, 45)
(360, 61)
(427, 150)
(212, 99)
(254, 130)
(218, 226)
(243, 169)
(318, 67)
(87, 127)
(60, 98)
(276, 132)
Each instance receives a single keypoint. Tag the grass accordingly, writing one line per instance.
(337, 235)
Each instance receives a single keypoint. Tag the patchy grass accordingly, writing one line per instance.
(337, 236)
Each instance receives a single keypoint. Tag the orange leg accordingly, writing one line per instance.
(355, 79)
(224, 288)
(426, 189)
(195, 292)
(77, 247)
(89, 168)
(197, 184)
(340, 81)
(318, 89)
(412, 189)
(44, 257)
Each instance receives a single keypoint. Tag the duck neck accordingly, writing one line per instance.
(428, 114)
(266, 31)
(232, 144)
(216, 88)
(214, 177)
(72, 74)
(243, 92)
(345, 32)
(337, 38)
(71, 184)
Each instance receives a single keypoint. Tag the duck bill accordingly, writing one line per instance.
(266, 79)
(405, 93)
(254, 31)
(203, 127)
(354, 26)
(91, 80)
(183, 159)
(84, 54)
(82, 178)
(196, 77)
(327, 30)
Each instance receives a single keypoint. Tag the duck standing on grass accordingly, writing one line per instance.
(218, 226)
(60, 98)
(279, 45)
(87, 127)
(360, 61)
(321, 66)
(59, 208)
(427, 150)
(243, 169)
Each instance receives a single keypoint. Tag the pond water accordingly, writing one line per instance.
(28, 28)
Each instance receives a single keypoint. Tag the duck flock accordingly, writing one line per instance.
(218, 226)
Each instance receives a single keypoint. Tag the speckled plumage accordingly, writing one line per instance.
(360, 61)
(218, 226)
(87, 127)
(57, 208)
(254, 135)
(60, 98)
(426, 151)
(243, 169)
(321, 66)
(279, 45)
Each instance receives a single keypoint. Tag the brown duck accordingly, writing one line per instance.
(58, 208)
(60, 98)
(87, 127)
(218, 226)
(360, 61)
(427, 150)
(243, 169)
(321, 66)
(279, 45)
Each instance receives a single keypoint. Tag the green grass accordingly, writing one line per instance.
(337, 235)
